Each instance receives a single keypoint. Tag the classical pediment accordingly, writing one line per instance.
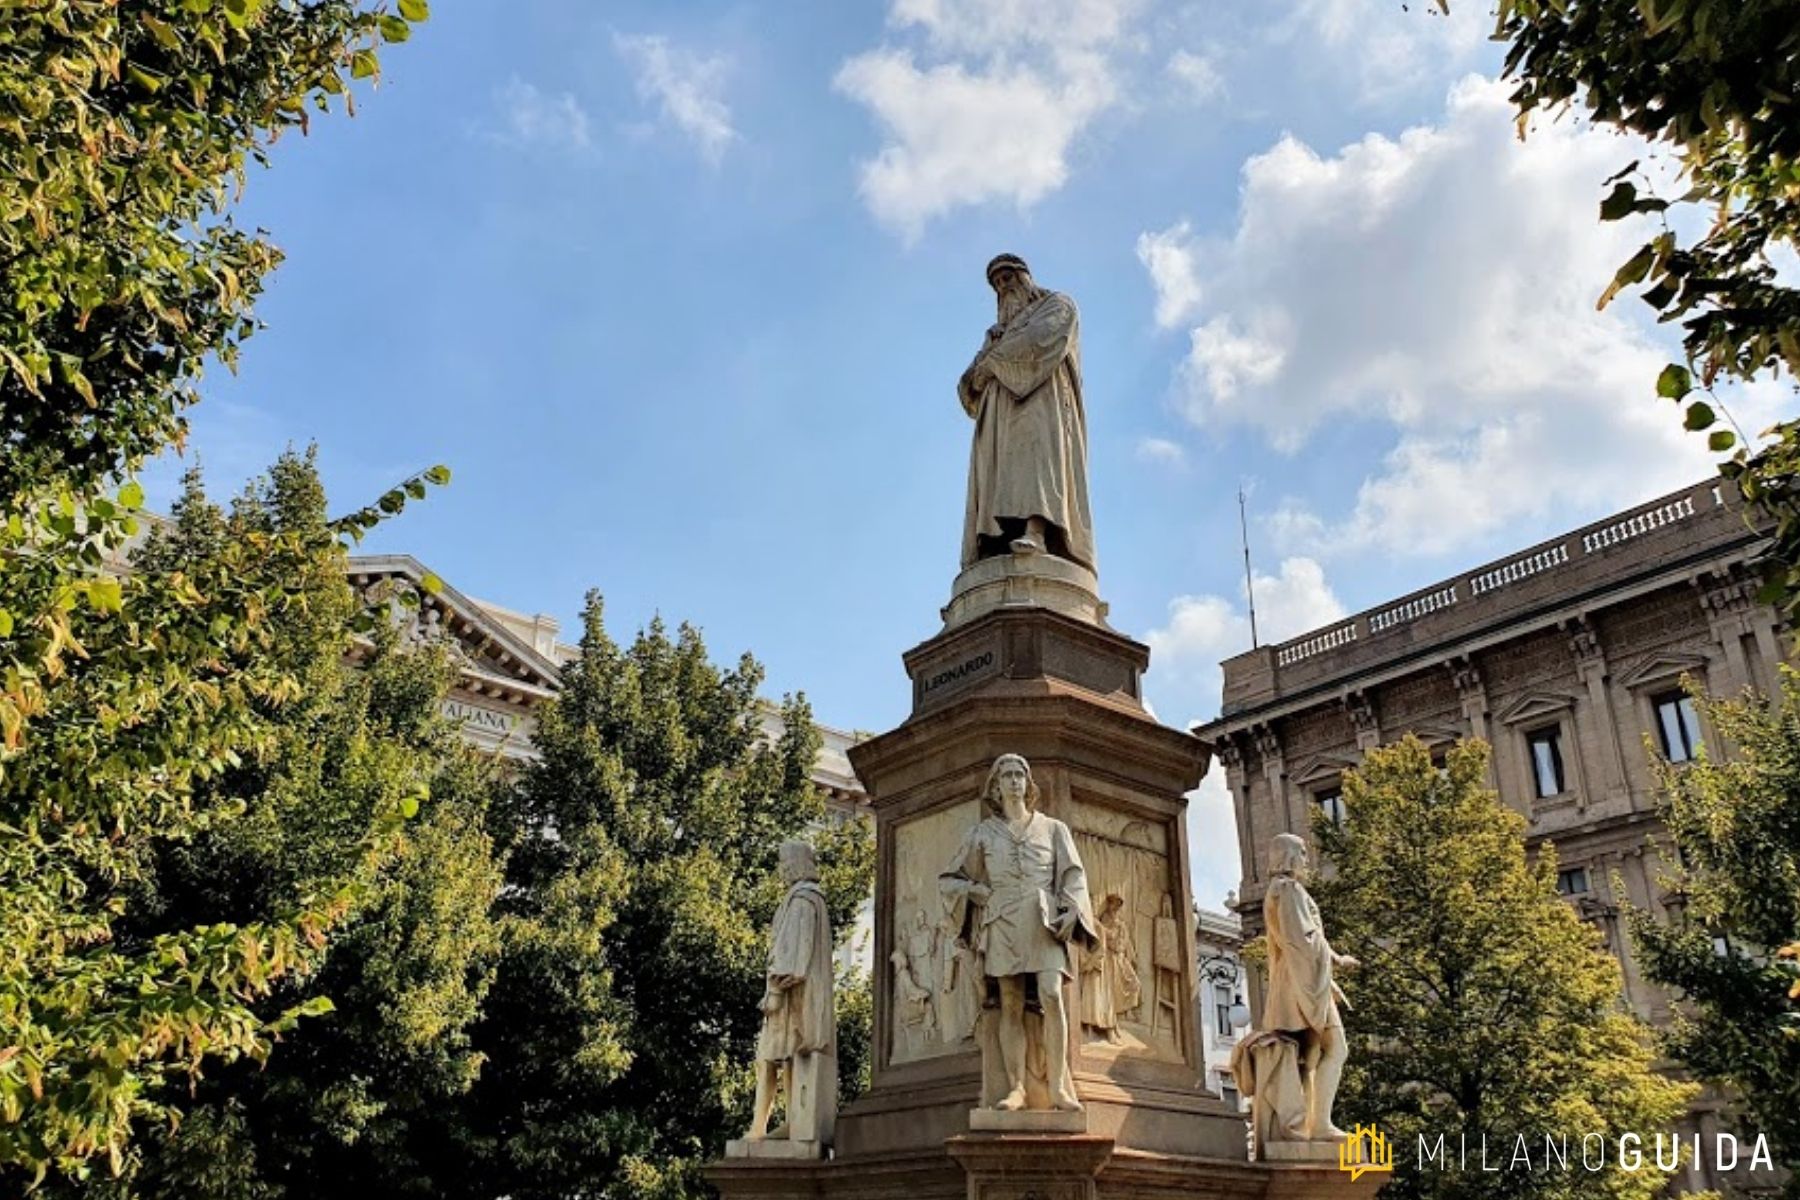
(1536, 706)
(1663, 667)
(491, 659)
(1323, 768)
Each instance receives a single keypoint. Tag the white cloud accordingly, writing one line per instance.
(1161, 450)
(685, 85)
(1169, 257)
(1441, 283)
(530, 117)
(1391, 50)
(1203, 630)
(1198, 74)
(988, 26)
(988, 108)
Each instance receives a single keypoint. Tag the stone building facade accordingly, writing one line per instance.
(1567, 657)
(1221, 983)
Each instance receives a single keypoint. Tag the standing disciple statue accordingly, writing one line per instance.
(796, 1052)
(1019, 895)
(1291, 1066)
(1028, 466)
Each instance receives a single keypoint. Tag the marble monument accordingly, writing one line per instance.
(1018, 896)
(1291, 1064)
(796, 1051)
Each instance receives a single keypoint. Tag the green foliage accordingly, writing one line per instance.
(642, 876)
(855, 996)
(1482, 1005)
(146, 710)
(125, 130)
(319, 809)
(1717, 84)
(1736, 826)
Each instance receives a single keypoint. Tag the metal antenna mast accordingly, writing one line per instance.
(1249, 579)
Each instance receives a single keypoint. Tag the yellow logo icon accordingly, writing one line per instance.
(1364, 1149)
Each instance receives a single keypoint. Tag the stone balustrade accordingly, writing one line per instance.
(1685, 523)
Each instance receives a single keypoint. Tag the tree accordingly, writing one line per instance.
(125, 130)
(123, 125)
(172, 698)
(1735, 824)
(406, 971)
(1717, 84)
(1483, 1006)
(641, 880)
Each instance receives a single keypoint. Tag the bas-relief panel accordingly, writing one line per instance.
(1133, 1001)
(936, 996)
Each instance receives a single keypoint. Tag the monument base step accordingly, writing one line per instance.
(772, 1148)
(1317, 1151)
(1027, 1120)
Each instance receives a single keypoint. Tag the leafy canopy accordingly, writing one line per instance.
(1735, 824)
(642, 876)
(1483, 1005)
(125, 130)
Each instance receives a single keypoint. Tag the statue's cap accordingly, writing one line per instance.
(1005, 260)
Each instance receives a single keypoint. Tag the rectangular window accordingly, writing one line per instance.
(1222, 1010)
(1331, 803)
(1229, 1095)
(1677, 725)
(1546, 760)
(1572, 881)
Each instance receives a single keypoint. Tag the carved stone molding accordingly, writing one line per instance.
(1362, 714)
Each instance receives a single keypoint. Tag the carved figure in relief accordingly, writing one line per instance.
(1165, 961)
(1110, 987)
(1018, 895)
(796, 1050)
(915, 970)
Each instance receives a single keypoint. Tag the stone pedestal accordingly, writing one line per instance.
(784, 1148)
(1065, 692)
(1029, 1120)
(1320, 1152)
(1050, 682)
(1040, 1166)
(1020, 581)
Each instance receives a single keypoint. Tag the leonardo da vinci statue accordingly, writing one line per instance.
(1028, 465)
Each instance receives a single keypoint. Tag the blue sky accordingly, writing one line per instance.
(681, 294)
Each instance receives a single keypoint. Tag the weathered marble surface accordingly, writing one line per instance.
(1028, 488)
(1291, 1065)
(1018, 897)
(796, 1050)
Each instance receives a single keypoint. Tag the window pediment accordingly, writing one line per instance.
(1536, 706)
(1663, 668)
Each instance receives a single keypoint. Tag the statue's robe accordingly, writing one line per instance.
(1029, 456)
(1302, 995)
(800, 977)
(1034, 877)
(801, 1032)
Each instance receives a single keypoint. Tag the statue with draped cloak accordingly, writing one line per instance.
(1028, 488)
